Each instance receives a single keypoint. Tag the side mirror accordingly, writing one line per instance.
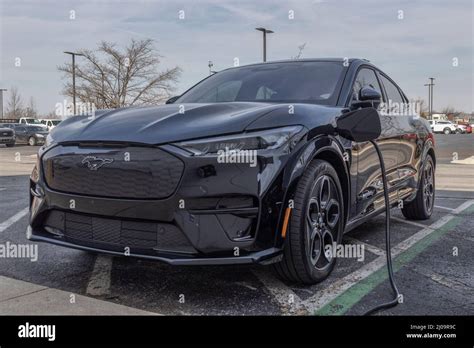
(172, 99)
(368, 97)
(368, 93)
(360, 125)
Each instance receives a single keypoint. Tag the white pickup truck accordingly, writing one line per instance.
(50, 123)
(446, 127)
(27, 121)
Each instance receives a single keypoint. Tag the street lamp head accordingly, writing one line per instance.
(263, 30)
(73, 53)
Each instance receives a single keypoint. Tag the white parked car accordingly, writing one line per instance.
(50, 123)
(446, 127)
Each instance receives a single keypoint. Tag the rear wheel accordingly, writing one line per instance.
(32, 141)
(316, 226)
(421, 207)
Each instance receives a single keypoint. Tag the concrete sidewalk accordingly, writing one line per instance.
(22, 298)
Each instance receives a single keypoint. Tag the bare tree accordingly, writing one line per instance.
(15, 104)
(30, 110)
(300, 51)
(111, 78)
(420, 105)
(448, 110)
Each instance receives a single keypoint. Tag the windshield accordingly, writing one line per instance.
(55, 123)
(33, 121)
(304, 82)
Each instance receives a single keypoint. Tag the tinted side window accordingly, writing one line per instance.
(393, 93)
(365, 77)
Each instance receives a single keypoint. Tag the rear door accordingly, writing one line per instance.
(369, 176)
(412, 135)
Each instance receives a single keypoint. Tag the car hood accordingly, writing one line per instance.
(172, 122)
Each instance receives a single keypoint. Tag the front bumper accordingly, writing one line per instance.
(220, 213)
(7, 140)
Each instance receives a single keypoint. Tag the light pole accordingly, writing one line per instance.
(265, 32)
(431, 105)
(430, 96)
(73, 54)
(429, 99)
(1, 101)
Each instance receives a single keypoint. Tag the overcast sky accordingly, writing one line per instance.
(424, 43)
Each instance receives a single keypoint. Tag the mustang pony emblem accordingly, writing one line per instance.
(94, 163)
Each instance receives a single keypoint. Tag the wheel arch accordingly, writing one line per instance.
(326, 148)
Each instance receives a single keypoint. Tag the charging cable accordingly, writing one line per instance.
(388, 248)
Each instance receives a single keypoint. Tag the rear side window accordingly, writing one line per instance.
(393, 93)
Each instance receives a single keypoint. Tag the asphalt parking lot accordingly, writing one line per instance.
(433, 263)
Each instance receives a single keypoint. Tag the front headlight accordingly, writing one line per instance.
(259, 140)
(39, 135)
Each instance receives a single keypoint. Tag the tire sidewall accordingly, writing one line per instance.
(428, 159)
(297, 225)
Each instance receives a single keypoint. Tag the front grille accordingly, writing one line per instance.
(128, 172)
(6, 133)
(118, 234)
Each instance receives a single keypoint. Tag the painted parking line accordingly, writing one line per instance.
(99, 282)
(409, 222)
(288, 301)
(372, 248)
(6, 224)
(373, 274)
(445, 208)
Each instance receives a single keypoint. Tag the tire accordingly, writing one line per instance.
(10, 145)
(447, 131)
(421, 207)
(303, 260)
(32, 141)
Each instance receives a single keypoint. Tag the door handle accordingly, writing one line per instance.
(367, 193)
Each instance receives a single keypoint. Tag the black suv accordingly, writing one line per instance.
(7, 136)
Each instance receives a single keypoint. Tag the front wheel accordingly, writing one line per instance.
(32, 141)
(316, 226)
(447, 131)
(421, 207)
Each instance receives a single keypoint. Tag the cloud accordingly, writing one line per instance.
(411, 49)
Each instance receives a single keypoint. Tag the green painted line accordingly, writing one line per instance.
(355, 293)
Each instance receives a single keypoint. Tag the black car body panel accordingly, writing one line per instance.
(86, 194)
(25, 132)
